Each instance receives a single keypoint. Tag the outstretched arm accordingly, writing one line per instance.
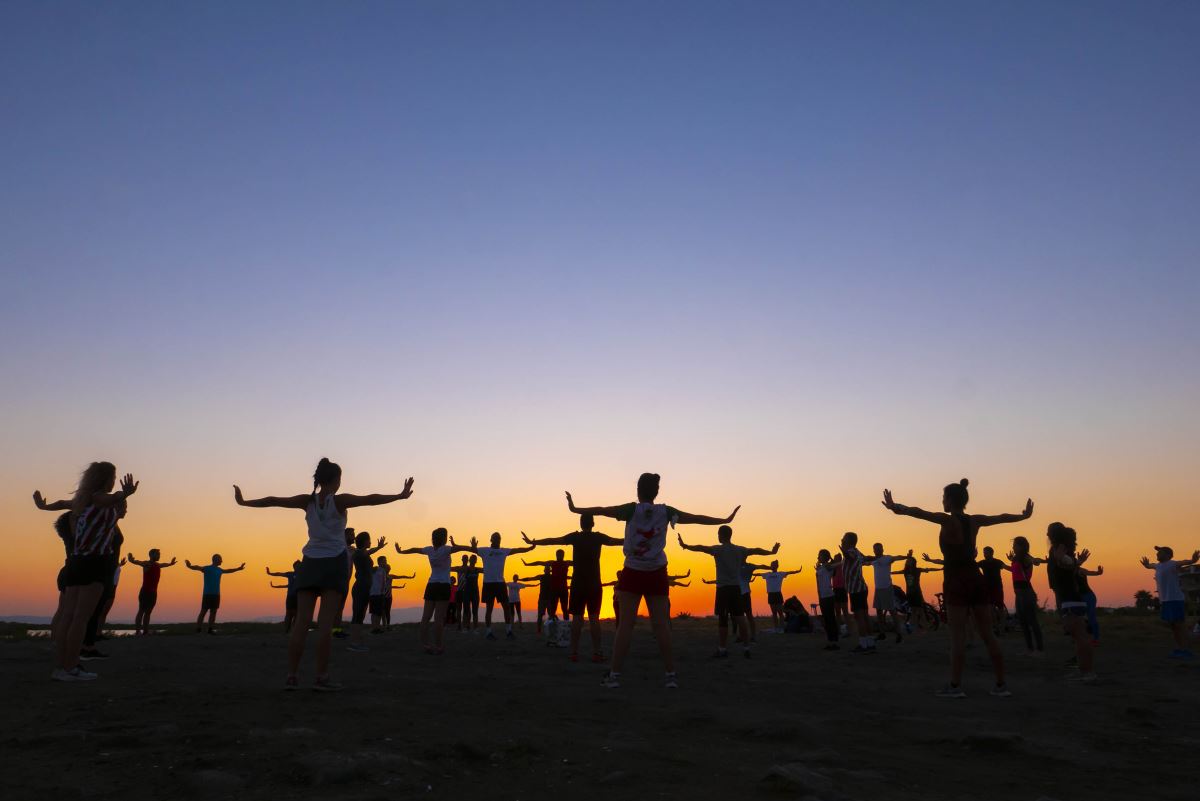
(683, 576)
(279, 586)
(535, 564)
(763, 551)
(128, 487)
(1099, 571)
(992, 520)
(242, 566)
(931, 561)
(687, 518)
(133, 561)
(1195, 558)
(168, 564)
(277, 501)
(56, 506)
(276, 575)
(525, 549)
(190, 566)
(911, 511)
(602, 511)
(378, 546)
(351, 501)
(676, 583)
(544, 540)
(707, 581)
(701, 548)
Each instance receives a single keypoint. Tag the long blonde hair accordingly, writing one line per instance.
(98, 477)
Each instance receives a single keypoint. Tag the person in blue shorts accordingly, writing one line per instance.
(210, 600)
(1170, 594)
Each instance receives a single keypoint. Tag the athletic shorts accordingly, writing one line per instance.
(1173, 611)
(885, 599)
(84, 570)
(495, 591)
(375, 605)
(996, 595)
(965, 588)
(323, 573)
(646, 583)
(208, 602)
(360, 599)
(729, 602)
(585, 599)
(561, 596)
(858, 601)
(147, 599)
(437, 591)
(840, 595)
(775, 598)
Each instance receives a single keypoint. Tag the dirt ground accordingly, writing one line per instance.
(190, 716)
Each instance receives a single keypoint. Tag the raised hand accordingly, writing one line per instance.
(399, 551)
(733, 514)
(1028, 513)
(1099, 570)
(237, 495)
(453, 544)
(775, 549)
(173, 560)
(38, 500)
(888, 503)
(1010, 556)
(408, 485)
(128, 485)
(528, 541)
(1083, 556)
(1146, 561)
(925, 556)
(382, 542)
(242, 566)
(570, 502)
(679, 537)
(1196, 556)
(268, 570)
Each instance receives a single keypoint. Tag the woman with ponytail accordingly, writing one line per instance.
(324, 572)
(93, 552)
(964, 589)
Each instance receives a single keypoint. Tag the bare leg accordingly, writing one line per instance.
(1083, 643)
(957, 617)
(577, 634)
(81, 602)
(331, 604)
(439, 622)
(629, 602)
(980, 614)
(306, 601)
(597, 636)
(661, 622)
(426, 615)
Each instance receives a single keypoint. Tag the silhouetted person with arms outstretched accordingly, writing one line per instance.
(495, 588)
(289, 598)
(1062, 570)
(148, 594)
(325, 569)
(963, 590)
(773, 577)
(1170, 593)
(730, 600)
(363, 565)
(210, 598)
(645, 572)
(587, 591)
(1021, 565)
(440, 553)
(94, 511)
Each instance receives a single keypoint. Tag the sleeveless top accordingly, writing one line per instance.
(1063, 580)
(326, 528)
(95, 531)
(646, 537)
(1021, 574)
(960, 556)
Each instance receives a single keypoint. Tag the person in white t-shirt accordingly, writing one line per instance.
(826, 568)
(437, 590)
(1170, 594)
(514, 595)
(885, 597)
(773, 577)
(495, 589)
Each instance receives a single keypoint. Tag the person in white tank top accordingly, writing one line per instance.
(645, 572)
(324, 572)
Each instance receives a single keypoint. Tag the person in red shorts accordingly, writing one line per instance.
(964, 590)
(587, 591)
(148, 595)
(644, 574)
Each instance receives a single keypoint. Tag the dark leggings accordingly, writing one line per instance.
(1027, 609)
(829, 619)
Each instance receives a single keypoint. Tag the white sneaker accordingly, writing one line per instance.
(672, 681)
(611, 680)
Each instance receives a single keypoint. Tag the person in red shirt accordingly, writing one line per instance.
(560, 581)
(148, 594)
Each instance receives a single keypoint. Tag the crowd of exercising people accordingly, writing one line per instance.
(339, 568)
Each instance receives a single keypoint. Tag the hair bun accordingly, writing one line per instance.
(964, 482)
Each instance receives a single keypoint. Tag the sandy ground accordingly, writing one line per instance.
(204, 717)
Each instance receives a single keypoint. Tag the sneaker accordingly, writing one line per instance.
(1182, 653)
(833, 646)
(859, 649)
(291, 683)
(843, 630)
(672, 682)
(720, 653)
(1001, 691)
(88, 654)
(357, 648)
(611, 680)
(326, 685)
(74, 674)
(951, 691)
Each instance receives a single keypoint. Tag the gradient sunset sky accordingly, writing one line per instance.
(784, 254)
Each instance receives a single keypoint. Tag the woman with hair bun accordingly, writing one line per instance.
(964, 590)
(1062, 569)
(324, 572)
(644, 574)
